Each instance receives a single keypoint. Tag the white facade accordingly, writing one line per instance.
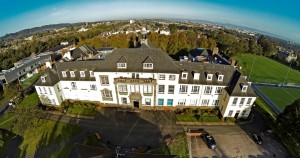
(239, 106)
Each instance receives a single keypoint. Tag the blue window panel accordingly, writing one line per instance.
(170, 102)
(160, 101)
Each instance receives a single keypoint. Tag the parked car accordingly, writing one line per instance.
(257, 139)
(211, 143)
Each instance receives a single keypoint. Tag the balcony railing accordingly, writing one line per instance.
(134, 80)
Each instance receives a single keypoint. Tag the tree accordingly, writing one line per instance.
(28, 119)
(267, 46)
(10, 90)
(173, 28)
(288, 125)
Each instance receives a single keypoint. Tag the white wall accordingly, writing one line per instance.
(235, 108)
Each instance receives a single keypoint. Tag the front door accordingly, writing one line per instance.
(136, 104)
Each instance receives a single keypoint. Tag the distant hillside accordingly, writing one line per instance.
(31, 31)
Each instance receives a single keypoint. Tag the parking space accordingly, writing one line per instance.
(235, 145)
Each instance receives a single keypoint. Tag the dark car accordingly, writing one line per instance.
(211, 143)
(257, 139)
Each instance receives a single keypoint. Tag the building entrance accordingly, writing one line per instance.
(136, 104)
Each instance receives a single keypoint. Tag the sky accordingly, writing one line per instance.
(277, 17)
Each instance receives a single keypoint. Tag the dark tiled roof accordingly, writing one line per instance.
(204, 69)
(77, 66)
(13, 73)
(59, 47)
(105, 48)
(83, 51)
(200, 52)
(51, 78)
(162, 63)
(235, 86)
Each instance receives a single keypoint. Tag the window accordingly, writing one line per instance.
(244, 113)
(205, 102)
(209, 77)
(45, 91)
(50, 91)
(244, 89)
(195, 89)
(171, 89)
(183, 88)
(92, 74)
(147, 88)
(230, 113)
(196, 76)
(161, 88)
(218, 90)
(72, 73)
(73, 85)
(104, 80)
(40, 90)
(162, 77)
(234, 101)
(184, 75)
(82, 74)
(208, 90)
(122, 88)
(132, 88)
(124, 100)
(215, 102)
(137, 88)
(148, 101)
(249, 101)
(170, 102)
(220, 77)
(58, 88)
(181, 102)
(64, 73)
(133, 75)
(106, 94)
(93, 87)
(160, 101)
(242, 101)
(148, 66)
(193, 102)
(172, 77)
(53, 101)
(43, 78)
(61, 97)
(121, 65)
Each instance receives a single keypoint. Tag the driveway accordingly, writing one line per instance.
(235, 144)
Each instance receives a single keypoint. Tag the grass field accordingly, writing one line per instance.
(281, 96)
(267, 70)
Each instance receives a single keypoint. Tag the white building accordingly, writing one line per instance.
(147, 76)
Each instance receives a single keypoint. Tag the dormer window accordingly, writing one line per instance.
(220, 77)
(196, 76)
(244, 88)
(122, 65)
(43, 78)
(184, 75)
(148, 66)
(72, 73)
(82, 74)
(209, 77)
(92, 74)
(64, 73)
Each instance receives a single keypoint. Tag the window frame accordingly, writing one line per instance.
(64, 73)
(173, 78)
(183, 89)
(161, 87)
(72, 73)
(208, 90)
(169, 88)
(147, 65)
(161, 77)
(104, 80)
(121, 65)
(82, 73)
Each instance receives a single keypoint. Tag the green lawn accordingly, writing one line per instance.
(29, 81)
(267, 70)
(281, 96)
(30, 101)
(48, 132)
(84, 112)
(183, 118)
